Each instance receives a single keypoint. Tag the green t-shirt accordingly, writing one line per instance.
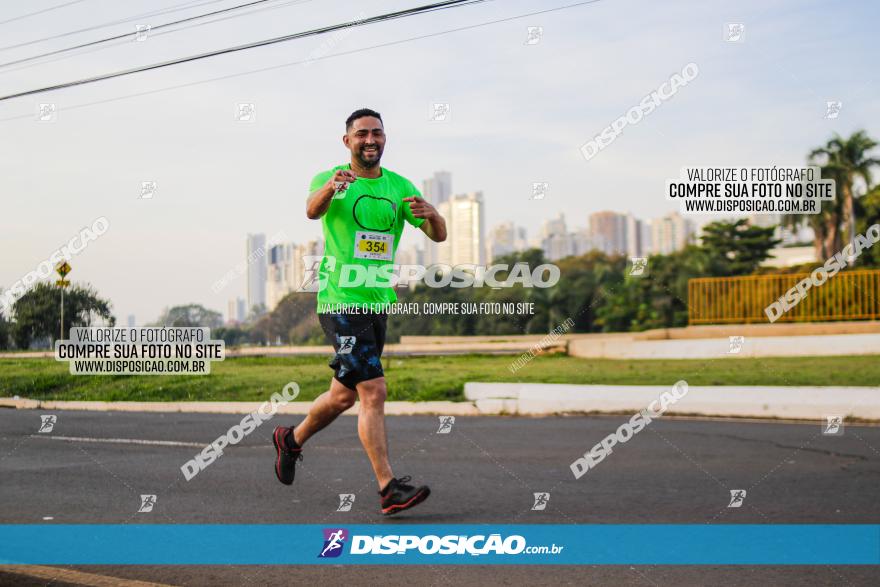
(362, 229)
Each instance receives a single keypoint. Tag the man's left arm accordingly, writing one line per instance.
(434, 225)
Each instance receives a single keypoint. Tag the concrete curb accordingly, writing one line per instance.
(443, 408)
(540, 399)
(809, 403)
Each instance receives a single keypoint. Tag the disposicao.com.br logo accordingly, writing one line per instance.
(334, 541)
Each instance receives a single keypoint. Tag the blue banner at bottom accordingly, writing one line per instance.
(541, 544)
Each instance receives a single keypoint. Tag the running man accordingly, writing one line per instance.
(362, 207)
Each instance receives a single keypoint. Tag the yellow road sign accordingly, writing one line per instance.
(62, 282)
(63, 268)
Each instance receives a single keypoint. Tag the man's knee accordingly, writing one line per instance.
(342, 397)
(373, 391)
(344, 401)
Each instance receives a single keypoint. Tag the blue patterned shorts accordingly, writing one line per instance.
(358, 340)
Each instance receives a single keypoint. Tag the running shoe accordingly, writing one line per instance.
(399, 496)
(285, 462)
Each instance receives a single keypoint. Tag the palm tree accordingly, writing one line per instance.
(827, 238)
(846, 160)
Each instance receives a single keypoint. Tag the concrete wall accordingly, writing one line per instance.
(718, 348)
(812, 403)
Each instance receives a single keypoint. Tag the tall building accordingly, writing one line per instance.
(582, 242)
(279, 274)
(437, 190)
(408, 256)
(635, 247)
(645, 230)
(505, 238)
(556, 241)
(287, 264)
(304, 256)
(608, 231)
(131, 320)
(670, 233)
(465, 223)
(256, 270)
(235, 311)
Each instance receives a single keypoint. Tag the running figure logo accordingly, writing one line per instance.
(541, 500)
(246, 112)
(47, 113)
(540, 189)
(147, 503)
(346, 344)
(148, 189)
(346, 500)
(833, 426)
(440, 112)
(446, 423)
(735, 344)
(334, 541)
(737, 496)
(735, 32)
(312, 280)
(534, 34)
(639, 264)
(47, 423)
(832, 109)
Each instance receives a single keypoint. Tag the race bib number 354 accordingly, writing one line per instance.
(373, 245)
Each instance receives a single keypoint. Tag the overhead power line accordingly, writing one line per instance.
(308, 60)
(375, 19)
(43, 11)
(153, 34)
(133, 33)
(175, 8)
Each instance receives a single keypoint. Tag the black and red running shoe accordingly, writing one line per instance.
(285, 461)
(398, 495)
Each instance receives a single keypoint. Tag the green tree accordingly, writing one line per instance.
(657, 299)
(5, 332)
(827, 238)
(847, 160)
(869, 207)
(190, 315)
(736, 248)
(231, 335)
(292, 321)
(38, 312)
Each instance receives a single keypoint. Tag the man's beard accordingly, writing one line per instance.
(366, 162)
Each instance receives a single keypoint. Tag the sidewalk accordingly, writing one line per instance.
(539, 399)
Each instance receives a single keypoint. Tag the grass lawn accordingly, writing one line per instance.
(423, 378)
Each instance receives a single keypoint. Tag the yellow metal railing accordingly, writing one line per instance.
(849, 295)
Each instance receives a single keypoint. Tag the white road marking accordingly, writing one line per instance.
(178, 443)
(123, 440)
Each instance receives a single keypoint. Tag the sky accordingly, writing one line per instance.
(518, 114)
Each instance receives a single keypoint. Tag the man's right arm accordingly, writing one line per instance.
(319, 200)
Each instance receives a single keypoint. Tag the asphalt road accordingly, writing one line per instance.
(484, 471)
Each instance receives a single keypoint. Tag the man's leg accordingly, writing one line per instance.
(371, 427)
(324, 410)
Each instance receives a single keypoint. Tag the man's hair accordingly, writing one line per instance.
(360, 114)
